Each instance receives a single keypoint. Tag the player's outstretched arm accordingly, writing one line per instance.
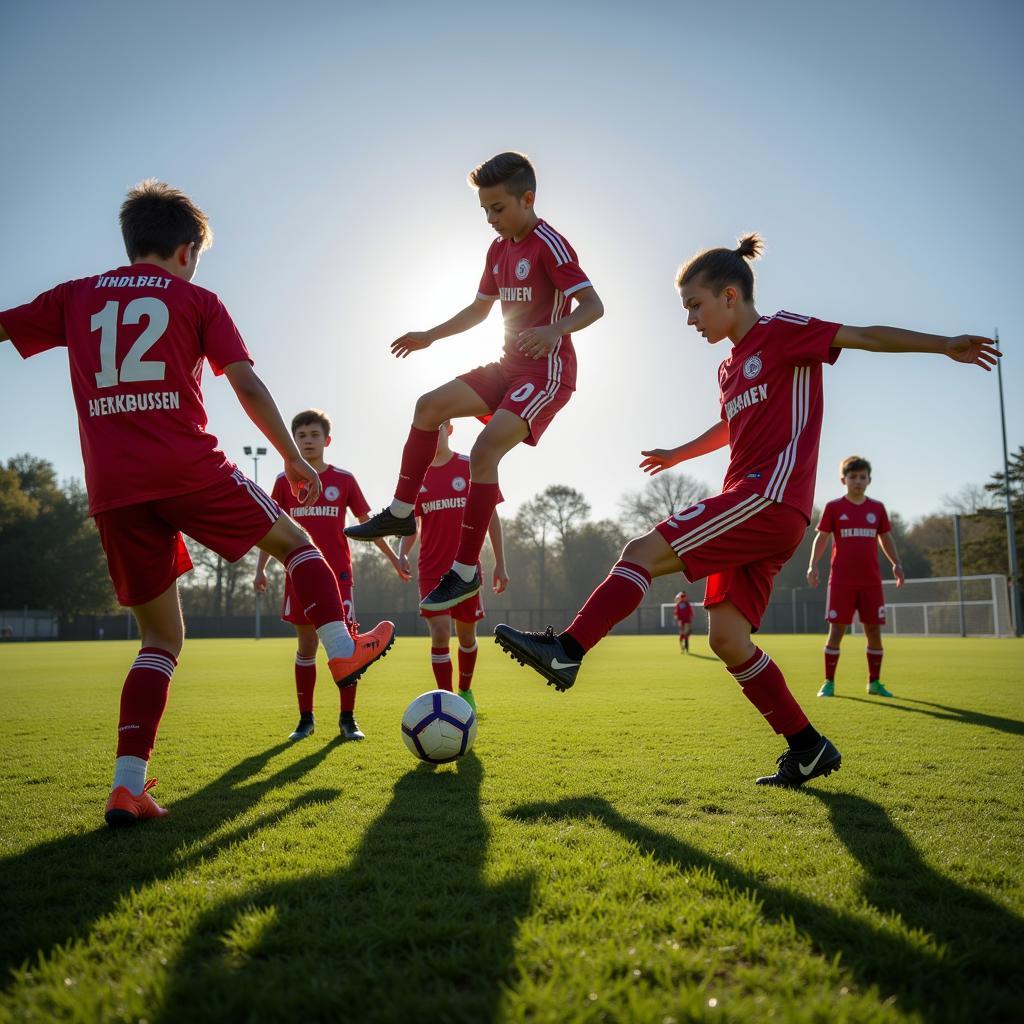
(886, 543)
(475, 313)
(405, 546)
(259, 581)
(499, 579)
(817, 550)
(4, 336)
(255, 398)
(963, 348)
(657, 460)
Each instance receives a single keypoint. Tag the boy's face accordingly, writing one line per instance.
(711, 315)
(311, 441)
(857, 480)
(509, 215)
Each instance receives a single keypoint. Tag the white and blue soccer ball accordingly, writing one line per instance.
(439, 727)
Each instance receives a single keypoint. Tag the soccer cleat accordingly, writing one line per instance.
(467, 696)
(305, 728)
(349, 727)
(124, 808)
(383, 524)
(877, 689)
(797, 766)
(369, 648)
(828, 689)
(451, 590)
(540, 651)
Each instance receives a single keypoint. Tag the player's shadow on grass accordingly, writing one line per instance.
(953, 973)
(701, 657)
(963, 716)
(54, 892)
(408, 929)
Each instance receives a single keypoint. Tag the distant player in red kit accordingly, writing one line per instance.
(533, 271)
(684, 616)
(438, 512)
(137, 337)
(771, 400)
(858, 526)
(324, 520)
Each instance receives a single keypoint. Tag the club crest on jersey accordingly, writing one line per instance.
(459, 483)
(523, 269)
(332, 493)
(871, 517)
(752, 367)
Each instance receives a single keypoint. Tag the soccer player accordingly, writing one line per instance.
(324, 519)
(684, 616)
(858, 526)
(136, 338)
(438, 512)
(771, 410)
(534, 272)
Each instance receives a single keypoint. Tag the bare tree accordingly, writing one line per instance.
(557, 508)
(663, 496)
(968, 501)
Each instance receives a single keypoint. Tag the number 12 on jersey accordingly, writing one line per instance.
(107, 320)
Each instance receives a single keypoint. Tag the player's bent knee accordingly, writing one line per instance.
(429, 413)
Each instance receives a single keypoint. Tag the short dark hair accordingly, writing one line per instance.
(310, 416)
(718, 268)
(156, 219)
(513, 170)
(854, 464)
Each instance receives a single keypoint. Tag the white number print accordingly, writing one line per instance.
(689, 513)
(521, 394)
(132, 368)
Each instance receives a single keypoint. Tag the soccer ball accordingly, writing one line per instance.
(438, 727)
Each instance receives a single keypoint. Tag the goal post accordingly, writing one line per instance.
(668, 614)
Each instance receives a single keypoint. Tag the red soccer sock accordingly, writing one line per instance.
(874, 664)
(481, 502)
(348, 697)
(316, 587)
(618, 596)
(419, 451)
(143, 699)
(831, 660)
(467, 663)
(441, 663)
(765, 687)
(305, 682)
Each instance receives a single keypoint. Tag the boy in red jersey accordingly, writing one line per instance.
(438, 512)
(684, 616)
(324, 519)
(534, 272)
(858, 526)
(136, 339)
(771, 401)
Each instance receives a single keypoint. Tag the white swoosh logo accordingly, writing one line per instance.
(556, 664)
(810, 767)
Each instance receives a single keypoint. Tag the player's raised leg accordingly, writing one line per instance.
(450, 401)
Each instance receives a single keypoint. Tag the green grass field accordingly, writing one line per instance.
(602, 855)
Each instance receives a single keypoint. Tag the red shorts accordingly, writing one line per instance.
(143, 544)
(470, 610)
(685, 628)
(291, 607)
(867, 601)
(740, 541)
(535, 398)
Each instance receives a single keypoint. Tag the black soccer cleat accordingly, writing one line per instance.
(305, 728)
(451, 590)
(349, 727)
(383, 524)
(542, 652)
(797, 766)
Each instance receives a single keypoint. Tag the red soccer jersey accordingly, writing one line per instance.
(324, 520)
(534, 279)
(771, 397)
(439, 506)
(855, 531)
(684, 612)
(136, 340)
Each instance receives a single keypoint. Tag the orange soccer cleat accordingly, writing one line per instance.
(369, 647)
(124, 808)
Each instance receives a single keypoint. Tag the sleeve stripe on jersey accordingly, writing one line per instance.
(577, 287)
(484, 295)
(792, 318)
(554, 243)
(787, 457)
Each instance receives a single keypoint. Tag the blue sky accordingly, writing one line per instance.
(876, 146)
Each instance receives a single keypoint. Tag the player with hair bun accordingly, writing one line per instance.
(770, 388)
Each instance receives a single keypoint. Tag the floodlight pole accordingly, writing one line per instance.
(959, 572)
(1011, 533)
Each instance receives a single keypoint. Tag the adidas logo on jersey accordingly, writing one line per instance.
(843, 516)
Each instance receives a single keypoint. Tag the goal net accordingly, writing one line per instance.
(700, 619)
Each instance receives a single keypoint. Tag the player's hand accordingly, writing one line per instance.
(968, 348)
(259, 582)
(657, 460)
(538, 342)
(303, 480)
(403, 568)
(499, 581)
(897, 575)
(411, 342)
(812, 576)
